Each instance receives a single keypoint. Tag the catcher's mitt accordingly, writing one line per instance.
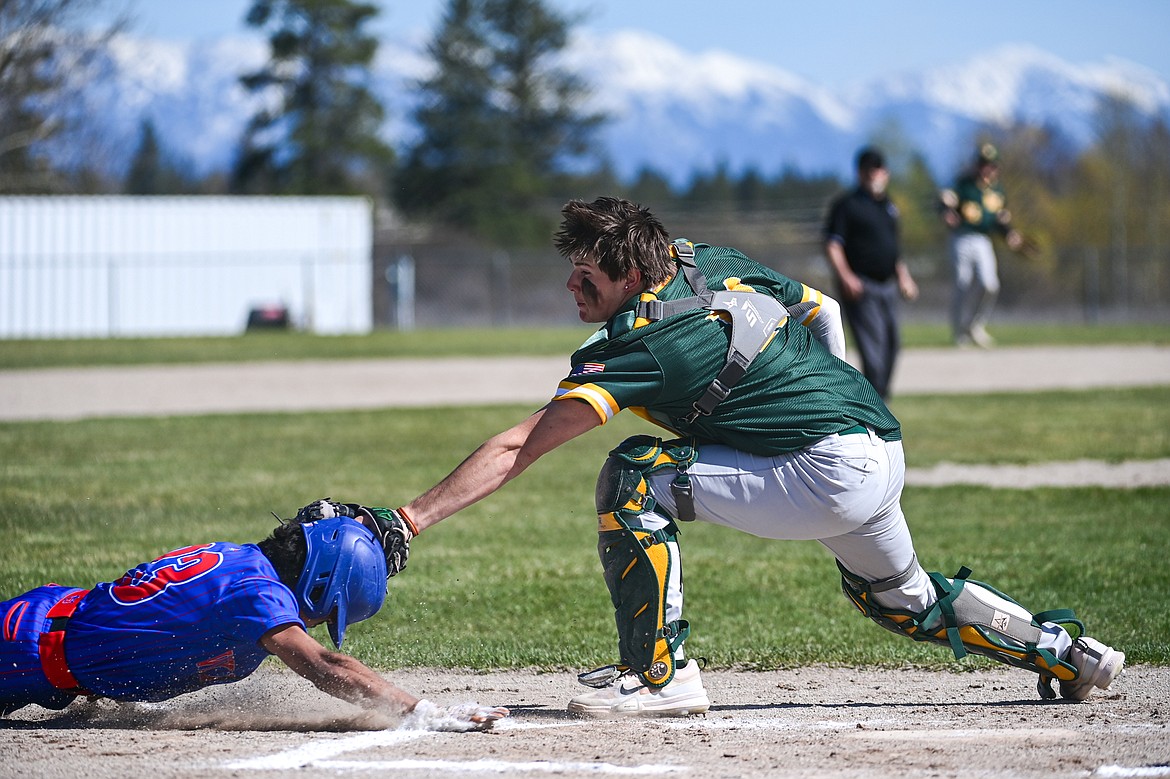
(393, 529)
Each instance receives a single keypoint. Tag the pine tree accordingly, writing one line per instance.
(651, 188)
(151, 171)
(462, 131)
(145, 174)
(499, 120)
(320, 133)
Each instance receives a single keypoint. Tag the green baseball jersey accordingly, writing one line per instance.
(794, 393)
(979, 206)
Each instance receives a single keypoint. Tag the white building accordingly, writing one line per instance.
(80, 267)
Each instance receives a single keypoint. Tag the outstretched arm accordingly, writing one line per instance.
(335, 673)
(502, 458)
(350, 680)
(496, 462)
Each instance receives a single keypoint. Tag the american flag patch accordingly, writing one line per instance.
(588, 367)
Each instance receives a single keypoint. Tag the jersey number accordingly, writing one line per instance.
(176, 569)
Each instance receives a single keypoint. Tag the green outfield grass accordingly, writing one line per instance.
(493, 342)
(1110, 425)
(514, 581)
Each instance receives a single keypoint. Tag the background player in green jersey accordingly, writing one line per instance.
(975, 210)
(771, 432)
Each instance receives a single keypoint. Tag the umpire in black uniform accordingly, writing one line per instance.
(861, 243)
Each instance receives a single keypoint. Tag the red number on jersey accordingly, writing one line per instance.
(179, 567)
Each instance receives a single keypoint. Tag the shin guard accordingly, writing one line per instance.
(638, 561)
(637, 566)
(971, 617)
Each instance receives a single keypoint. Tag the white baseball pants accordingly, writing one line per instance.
(844, 491)
(976, 279)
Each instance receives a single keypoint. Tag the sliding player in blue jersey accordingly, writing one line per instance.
(209, 614)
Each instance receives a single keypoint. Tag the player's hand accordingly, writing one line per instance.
(908, 288)
(325, 508)
(459, 718)
(852, 287)
(948, 201)
(481, 717)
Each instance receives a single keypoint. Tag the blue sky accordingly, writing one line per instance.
(830, 42)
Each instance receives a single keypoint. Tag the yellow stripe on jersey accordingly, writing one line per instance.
(601, 401)
(735, 284)
(815, 296)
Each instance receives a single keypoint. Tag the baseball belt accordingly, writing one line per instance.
(51, 644)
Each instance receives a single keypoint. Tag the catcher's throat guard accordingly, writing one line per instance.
(971, 617)
(637, 561)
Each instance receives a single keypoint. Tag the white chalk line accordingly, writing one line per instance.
(319, 754)
(315, 752)
(500, 767)
(323, 749)
(1124, 772)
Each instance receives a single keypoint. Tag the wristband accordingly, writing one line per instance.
(409, 522)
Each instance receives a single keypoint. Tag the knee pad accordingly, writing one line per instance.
(971, 617)
(636, 561)
(621, 485)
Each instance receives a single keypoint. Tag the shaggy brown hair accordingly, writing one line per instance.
(618, 235)
(285, 548)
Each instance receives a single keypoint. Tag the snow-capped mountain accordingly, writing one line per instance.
(672, 110)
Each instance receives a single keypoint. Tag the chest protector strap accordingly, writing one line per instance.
(755, 318)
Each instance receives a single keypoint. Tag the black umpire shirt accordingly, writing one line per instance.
(868, 230)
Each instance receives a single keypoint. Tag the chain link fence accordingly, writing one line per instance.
(467, 285)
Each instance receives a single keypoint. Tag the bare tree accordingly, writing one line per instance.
(45, 56)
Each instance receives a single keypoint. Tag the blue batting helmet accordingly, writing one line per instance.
(345, 572)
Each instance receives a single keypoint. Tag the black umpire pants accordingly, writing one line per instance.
(873, 320)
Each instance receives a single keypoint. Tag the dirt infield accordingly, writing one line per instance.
(808, 722)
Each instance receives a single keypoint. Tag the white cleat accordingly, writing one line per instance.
(630, 696)
(1097, 665)
(981, 337)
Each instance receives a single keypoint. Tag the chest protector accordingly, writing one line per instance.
(755, 318)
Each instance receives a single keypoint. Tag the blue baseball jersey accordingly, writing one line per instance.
(192, 618)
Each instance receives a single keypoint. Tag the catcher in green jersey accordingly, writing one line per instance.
(768, 431)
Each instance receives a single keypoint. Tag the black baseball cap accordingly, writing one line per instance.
(870, 158)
